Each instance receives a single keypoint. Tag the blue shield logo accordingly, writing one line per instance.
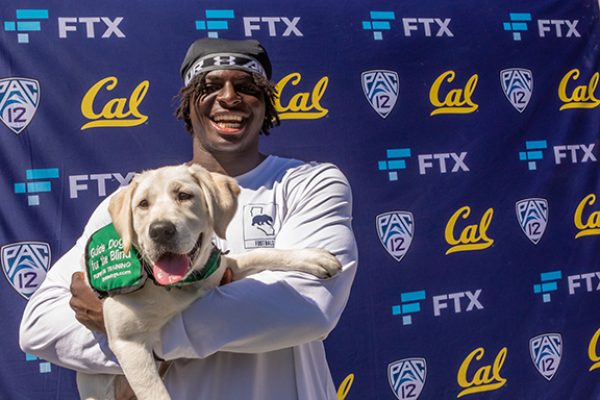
(546, 352)
(19, 100)
(396, 230)
(381, 90)
(25, 265)
(517, 84)
(533, 217)
(407, 377)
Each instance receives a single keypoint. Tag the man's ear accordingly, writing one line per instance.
(221, 193)
(120, 211)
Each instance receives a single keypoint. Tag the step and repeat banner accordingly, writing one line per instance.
(469, 132)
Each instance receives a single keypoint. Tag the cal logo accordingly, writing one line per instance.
(581, 96)
(587, 226)
(302, 105)
(455, 101)
(533, 217)
(407, 377)
(396, 230)
(472, 237)
(117, 112)
(345, 387)
(19, 100)
(260, 227)
(483, 379)
(546, 352)
(25, 265)
(593, 351)
(517, 84)
(381, 90)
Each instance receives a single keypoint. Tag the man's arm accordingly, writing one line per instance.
(50, 329)
(275, 310)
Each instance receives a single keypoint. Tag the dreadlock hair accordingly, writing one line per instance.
(197, 84)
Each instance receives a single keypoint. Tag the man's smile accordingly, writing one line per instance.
(228, 122)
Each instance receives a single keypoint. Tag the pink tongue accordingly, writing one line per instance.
(170, 269)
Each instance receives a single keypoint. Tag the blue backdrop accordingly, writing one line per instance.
(468, 131)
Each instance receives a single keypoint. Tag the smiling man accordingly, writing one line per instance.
(259, 338)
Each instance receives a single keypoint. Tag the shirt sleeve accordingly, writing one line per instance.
(274, 310)
(49, 329)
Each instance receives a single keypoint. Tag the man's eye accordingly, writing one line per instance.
(248, 89)
(182, 196)
(208, 89)
(143, 204)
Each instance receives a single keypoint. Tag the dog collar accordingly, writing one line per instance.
(111, 271)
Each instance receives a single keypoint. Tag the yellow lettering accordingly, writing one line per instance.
(345, 387)
(486, 378)
(582, 96)
(117, 112)
(593, 355)
(472, 237)
(592, 225)
(303, 105)
(456, 101)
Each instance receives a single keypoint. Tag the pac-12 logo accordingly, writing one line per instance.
(407, 377)
(396, 230)
(546, 353)
(381, 90)
(517, 84)
(25, 265)
(19, 100)
(533, 217)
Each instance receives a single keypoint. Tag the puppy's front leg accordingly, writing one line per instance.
(317, 262)
(140, 369)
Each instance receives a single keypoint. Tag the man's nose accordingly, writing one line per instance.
(228, 96)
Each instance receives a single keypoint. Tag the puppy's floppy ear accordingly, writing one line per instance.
(120, 211)
(220, 192)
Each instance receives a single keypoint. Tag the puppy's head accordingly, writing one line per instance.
(170, 215)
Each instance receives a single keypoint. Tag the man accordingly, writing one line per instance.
(258, 338)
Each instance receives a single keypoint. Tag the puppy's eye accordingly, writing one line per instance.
(143, 204)
(183, 196)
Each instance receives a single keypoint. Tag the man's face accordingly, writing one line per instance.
(228, 115)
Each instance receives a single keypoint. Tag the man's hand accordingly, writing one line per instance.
(87, 307)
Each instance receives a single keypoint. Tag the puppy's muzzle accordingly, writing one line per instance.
(162, 232)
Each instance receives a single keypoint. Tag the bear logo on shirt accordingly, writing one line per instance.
(260, 227)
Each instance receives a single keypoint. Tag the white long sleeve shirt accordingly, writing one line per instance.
(260, 338)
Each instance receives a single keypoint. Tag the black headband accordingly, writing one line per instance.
(212, 54)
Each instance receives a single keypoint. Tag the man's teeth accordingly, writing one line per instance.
(228, 125)
(227, 118)
(228, 121)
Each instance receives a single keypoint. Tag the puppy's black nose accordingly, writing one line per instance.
(162, 231)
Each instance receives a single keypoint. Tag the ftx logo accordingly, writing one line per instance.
(438, 162)
(554, 28)
(563, 154)
(217, 21)
(429, 27)
(38, 181)
(29, 20)
(455, 303)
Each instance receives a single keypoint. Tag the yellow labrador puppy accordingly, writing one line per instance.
(170, 215)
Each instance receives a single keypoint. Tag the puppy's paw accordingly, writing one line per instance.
(319, 262)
